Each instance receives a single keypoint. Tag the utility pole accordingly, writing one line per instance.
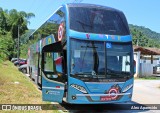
(18, 45)
(137, 41)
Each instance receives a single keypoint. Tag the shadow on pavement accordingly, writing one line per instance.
(104, 108)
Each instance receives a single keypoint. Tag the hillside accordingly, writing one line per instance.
(144, 36)
(149, 33)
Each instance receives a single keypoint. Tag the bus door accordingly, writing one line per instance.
(52, 76)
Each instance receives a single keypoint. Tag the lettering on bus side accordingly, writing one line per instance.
(51, 92)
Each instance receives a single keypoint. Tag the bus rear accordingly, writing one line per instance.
(100, 55)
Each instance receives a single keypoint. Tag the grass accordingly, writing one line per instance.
(16, 88)
(148, 78)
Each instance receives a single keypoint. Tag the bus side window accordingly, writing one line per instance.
(53, 66)
(52, 62)
(48, 62)
(58, 64)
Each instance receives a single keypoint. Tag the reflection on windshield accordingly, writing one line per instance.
(100, 59)
(97, 20)
(118, 58)
(87, 57)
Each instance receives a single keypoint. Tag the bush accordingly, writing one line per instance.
(6, 46)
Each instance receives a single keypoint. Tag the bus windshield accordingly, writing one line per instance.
(100, 60)
(98, 20)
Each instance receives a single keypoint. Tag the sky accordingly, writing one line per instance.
(138, 12)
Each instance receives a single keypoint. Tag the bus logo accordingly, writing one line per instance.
(113, 93)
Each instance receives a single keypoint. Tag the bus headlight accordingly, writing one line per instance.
(79, 88)
(127, 88)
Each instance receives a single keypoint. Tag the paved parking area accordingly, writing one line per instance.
(146, 91)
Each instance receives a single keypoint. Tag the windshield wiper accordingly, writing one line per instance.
(96, 58)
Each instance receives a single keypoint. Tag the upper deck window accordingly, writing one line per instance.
(98, 20)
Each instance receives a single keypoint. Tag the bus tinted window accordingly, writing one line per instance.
(97, 20)
(118, 57)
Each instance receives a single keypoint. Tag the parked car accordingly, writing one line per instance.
(23, 68)
(156, 69)
(20, 62)
(14, 59)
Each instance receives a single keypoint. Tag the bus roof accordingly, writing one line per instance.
(91, 5)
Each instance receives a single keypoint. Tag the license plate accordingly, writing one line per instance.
(106, 98)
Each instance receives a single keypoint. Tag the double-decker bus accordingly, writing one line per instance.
(84, 56)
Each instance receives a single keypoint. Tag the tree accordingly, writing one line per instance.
(18, 19)
(10, 21)
(3, 21)
(6, 46)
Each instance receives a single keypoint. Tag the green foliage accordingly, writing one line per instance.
(11, 20)
(149, 33)
(24, 48)
(25, 43)
(144, 37)
(25, 37)
(47, 29)
(18, 20)
(149, 78)
(9, 23)
(6, 46)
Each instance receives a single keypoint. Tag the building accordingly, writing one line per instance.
(146, 59)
